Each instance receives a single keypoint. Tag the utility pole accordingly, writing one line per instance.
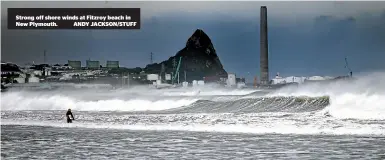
(162, 70)
(174, 63)
(45, 60)
(151, 58)
(173, 69)
(122, 80)
(347, 66)
(128, 79)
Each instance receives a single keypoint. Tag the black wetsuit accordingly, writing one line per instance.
(69, 120)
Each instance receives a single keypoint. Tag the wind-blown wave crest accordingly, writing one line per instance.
(362, 98)
(340, 107)
(254, 105)
(19, 101)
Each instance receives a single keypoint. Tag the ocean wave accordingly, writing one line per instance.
(18, 101)
(251, 124)
(253, 105)
(363, 98)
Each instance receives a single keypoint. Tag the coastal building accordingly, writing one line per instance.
(231, 80)
(200, 83)
(9, 71)
(152, 77)
(112, 64)
(75, 64)
(33, 79)
(299, 80)
(92, 64)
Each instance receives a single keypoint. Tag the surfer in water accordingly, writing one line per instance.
(68, 114)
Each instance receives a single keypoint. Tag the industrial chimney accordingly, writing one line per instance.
(264, 59)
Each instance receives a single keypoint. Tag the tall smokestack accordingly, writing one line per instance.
(264, 64)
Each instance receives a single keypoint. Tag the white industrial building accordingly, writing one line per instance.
(168, 77)
(319, 78)
(201, 83)
(185, 84)
(231, 80)
(194, 83)
(241, 85)
(152, 77)
(295, 79)
(33, 79)
(20, 80)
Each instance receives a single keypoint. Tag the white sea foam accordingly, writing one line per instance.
(280, 127)
(18, 101)
(363, 98)
(360, 100)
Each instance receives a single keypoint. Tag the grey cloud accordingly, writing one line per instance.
(276, 9)
(165, 32)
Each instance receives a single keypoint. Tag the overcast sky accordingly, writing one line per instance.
(305, 38)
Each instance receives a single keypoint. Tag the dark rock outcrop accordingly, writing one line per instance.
(199, 60)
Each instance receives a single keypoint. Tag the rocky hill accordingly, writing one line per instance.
(199, 59)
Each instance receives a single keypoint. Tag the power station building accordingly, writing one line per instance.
(264, 53)
(112, 64)
(75, 64)
(93, 64)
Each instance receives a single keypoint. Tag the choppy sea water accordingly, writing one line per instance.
(328, 121)
(40, 142)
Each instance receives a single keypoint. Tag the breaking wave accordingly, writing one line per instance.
(362, 98)
(340, 107)
(167, 104)
(255, 105)
(20, 101)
